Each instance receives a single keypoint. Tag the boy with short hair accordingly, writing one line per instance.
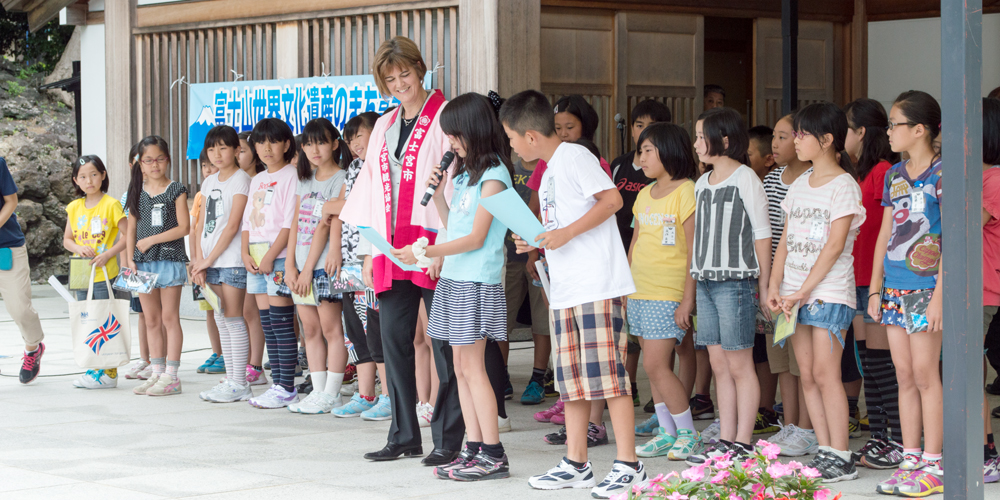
(578, 201)
(761, 159)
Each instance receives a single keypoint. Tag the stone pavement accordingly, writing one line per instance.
(60, 442)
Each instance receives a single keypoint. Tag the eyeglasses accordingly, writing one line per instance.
(894, 125)
(800, 135)
(161, 160)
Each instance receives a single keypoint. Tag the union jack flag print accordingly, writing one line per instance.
(109, 330)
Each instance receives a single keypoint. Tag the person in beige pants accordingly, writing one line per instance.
(15, 281)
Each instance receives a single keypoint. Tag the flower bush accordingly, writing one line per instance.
(759, 477)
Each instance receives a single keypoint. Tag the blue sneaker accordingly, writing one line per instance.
(218, 367)
(354, 408)
(647, 428)
(381, 411)
(208, 362)
(533, 394)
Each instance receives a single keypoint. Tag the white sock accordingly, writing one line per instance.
(334, 381)
(318, 380)
(684, 420)
(666, 421)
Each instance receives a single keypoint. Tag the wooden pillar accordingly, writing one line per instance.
(789, 56)
(962, 242)
(286, 49)
(499, 45)
(859, 51)
(119, 52)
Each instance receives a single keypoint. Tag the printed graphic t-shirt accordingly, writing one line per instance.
(97, 228)
(271, 206)
(629, 179)
(520, 180)
(593, 265)
(312, 195)
(218, 197)
(659, 259)
(810, 212)
(914, 253)
(730, 217)
(991, 237)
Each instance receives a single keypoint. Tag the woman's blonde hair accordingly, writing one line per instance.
(399, 52)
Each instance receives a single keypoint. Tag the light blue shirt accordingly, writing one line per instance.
(484, 265)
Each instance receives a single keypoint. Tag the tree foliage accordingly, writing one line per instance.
(34, 52)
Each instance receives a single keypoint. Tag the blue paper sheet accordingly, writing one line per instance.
(511, 211)
(380, 243)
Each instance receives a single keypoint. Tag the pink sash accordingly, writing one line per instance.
(406, 233)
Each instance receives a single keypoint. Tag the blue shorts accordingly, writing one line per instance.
(101, 292)
(235, 277)
(862, 306)
(260, 284)
(653, 319)
(170, 273)
(727, 313)
(834, 317)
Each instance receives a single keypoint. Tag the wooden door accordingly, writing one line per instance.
(816, 67)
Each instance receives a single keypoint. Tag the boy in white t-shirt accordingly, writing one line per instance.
(578, 204)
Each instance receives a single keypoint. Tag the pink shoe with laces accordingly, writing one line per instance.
(555, 410)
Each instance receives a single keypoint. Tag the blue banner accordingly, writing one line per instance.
(242, 104)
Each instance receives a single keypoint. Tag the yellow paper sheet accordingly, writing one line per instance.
(79, 273)
(211, 298)
(305, 300)
(786, 328)
(257, 252)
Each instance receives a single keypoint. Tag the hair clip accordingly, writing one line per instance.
(555, 110)
(83, 162)
(136, 159)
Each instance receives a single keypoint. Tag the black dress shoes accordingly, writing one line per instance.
(392, 451)
(439, 457)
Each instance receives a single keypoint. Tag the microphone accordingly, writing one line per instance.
(620, 121)
(445, 163)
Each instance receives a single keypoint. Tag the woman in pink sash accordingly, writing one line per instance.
(405, 146)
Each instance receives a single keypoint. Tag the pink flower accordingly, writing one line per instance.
(821, 494)
(794, 465)
(734, 496)
(676, 496)
(809, 472)
(620, 496)
(769, 450)
(757, 489)
(721, 476)
(671, 475)
(694, 473)
(778, 469)
(724, 464)
(748, 463)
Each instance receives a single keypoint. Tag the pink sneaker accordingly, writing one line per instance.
(255, 377)
(555, 410)
(558, 419)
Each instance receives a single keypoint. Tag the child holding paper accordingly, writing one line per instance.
(92, 227)
(267, 222)
(218, 263)
(578, 203)
(814, 270)
(314, 257)
(157, 223)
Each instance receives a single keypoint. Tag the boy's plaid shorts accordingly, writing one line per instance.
(589, 351)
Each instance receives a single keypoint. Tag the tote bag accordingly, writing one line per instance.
(102, 338)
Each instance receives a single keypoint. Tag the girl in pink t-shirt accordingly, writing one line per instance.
(814, 269)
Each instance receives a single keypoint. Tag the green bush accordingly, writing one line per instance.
(36, 52)
(15, 89)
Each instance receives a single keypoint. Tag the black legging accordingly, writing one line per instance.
(496, 370)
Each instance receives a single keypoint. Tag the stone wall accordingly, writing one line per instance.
(38, 140)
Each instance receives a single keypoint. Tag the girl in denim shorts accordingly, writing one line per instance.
(313, 257)
(158, 220)
(814, 271)
(218, 261)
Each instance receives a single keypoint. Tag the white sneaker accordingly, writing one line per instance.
(349, 389)
(275, 397)
(316, 402)
(503, 424)
(204, 395)
(231, 393)
(801, 442)
(95, 379)
(562, 476)
(137, 369)
(711, 433)
(619, 480)
(140, 390)
(782, 435)
(425, 412)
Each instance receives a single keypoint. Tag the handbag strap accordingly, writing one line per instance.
(90, 287)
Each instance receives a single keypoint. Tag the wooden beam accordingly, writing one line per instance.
(478, 45)
(44, 12)
(74, 15)
(859, 51)
(519, 36)
(811, 10)
(286, 41)
(120, 90)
